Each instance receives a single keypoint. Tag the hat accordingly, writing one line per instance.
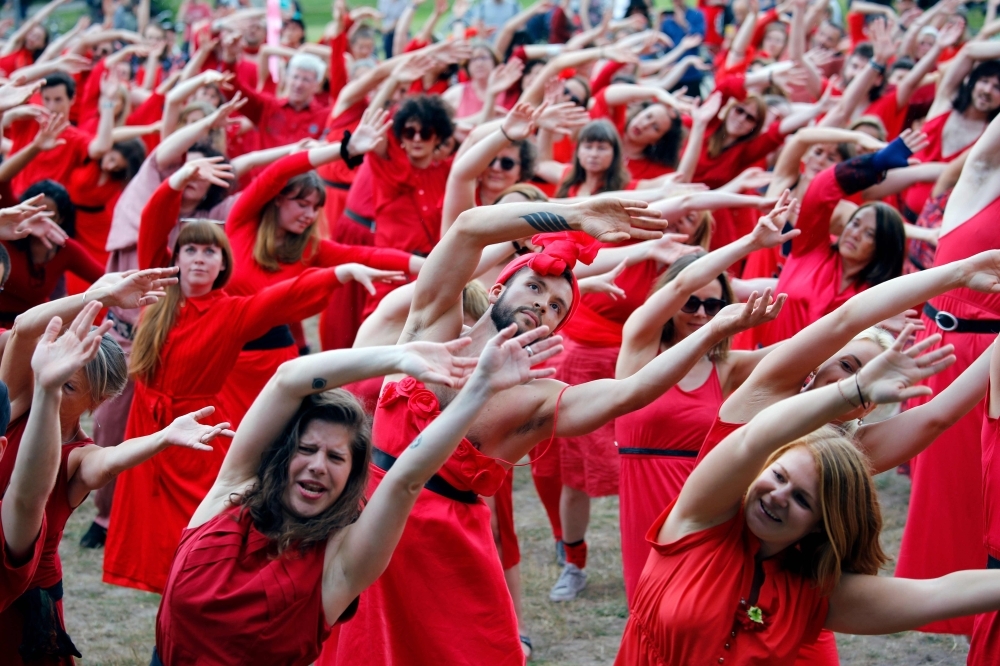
(560, 253)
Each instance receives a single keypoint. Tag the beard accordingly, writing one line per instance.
(502, 314)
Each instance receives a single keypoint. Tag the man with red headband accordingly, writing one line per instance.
(443, 597)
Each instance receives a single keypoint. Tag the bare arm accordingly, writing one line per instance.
(786, 170)
(897, 180)
(979, 182)
(741, 42)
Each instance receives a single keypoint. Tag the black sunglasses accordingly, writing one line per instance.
(573, 98)
(506, 163)
(409, 133)
(712, 305)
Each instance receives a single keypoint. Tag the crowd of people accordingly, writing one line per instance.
(726, 261)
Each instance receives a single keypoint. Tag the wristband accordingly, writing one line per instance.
(878, 67)
(352, 161)
(505, 134)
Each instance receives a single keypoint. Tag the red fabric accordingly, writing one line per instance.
(887, 108)
(821, 652)
(677, 421)
(917, 195)
(549, 489)
(602, 81)
(25, 290)
(714, 22)
(94, 204)
(16, 577)
(576, 554)
(813, 271)
(338, 172)
(685, 606)
(985, 644)
(278, 124)
(764, 20)
(944, 526)
(56, 164)
(227, 584)
(600, 319)
(718, 432)
(991, 481)
(16, 60)
(510, 550)
(443, 596)
(856, 27)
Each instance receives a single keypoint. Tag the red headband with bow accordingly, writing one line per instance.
(560, 253)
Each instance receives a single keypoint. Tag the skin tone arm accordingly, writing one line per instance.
(948, 37)
(506, 34)
(177, 97)
(102, 143)
(575, 59)
(16, 40)
(786, 170)
(620, 94)
(172, 150)
(958, 68)
(61, 43)
(979, 182)
(701, 117)
(897, 180)
(857, 91)
(741, 42)
(46, 138)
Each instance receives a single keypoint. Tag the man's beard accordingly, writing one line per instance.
(502, 314)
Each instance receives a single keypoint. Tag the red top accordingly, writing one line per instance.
(56, 164)
(732, 161)
(694, 591)
(16, 60)
(991, 481)
(599, 319)
(248, 276)
(338, 171)
(277, 122)
(408, 200)
(977, 234)
(26, 289)
(893, 115)
(641, 168)
(15, 578)
(916, 196)
(813, 271)
(231, 600)
(94, 205)
(57, 509)
(718, 432)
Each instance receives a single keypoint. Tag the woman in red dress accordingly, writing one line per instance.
(657, 444)
(598, 164)
(285, 513)
(184, 348)
(775, 535)
(272, 230)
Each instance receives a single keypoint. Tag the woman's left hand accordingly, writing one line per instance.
(187, 432)
(366, 276)
(767, 233)
(437, 363)
(370, 133)
(739, 317)
(134, 289)
(890, 376)
(604, 283)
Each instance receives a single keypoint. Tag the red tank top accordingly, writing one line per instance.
(599, 319)
(719, 431)
(57, 509)
(977, 234)
(230, 599)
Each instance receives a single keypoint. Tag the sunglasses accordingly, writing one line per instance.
(506, 163)
(712, 305)
(409, 133)
(573, 98)
(746, 114)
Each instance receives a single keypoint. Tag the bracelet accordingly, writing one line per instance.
(505, 135)
(878, 67)
(844, 396)
(861, 397)
(352, 161)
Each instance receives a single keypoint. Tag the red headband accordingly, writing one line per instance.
(561, 252)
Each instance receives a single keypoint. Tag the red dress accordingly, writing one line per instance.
(94, 204)
(687, 607)
(443, 598)
(657, 447)
(15, 578)
(201, 349)
(231, 600)
(813, 271)
(944, 527)
(260, 360)
(916, 196)
(985, 644)
(49, 567)
(337, 175)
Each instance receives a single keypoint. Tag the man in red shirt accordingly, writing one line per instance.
(77, 146)
(283, 121)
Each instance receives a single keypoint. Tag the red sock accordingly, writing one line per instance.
(576, 553)
(549, 490)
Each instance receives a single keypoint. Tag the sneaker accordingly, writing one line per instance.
(560, 553)
(95, 537)
(571, 582)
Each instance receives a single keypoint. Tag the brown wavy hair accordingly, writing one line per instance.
(616, 177)
(851, 519)
(266, 250)
(264, 500)
(721, 348)
(717, 142)
(158, 319)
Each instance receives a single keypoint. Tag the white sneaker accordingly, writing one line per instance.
(571, 582)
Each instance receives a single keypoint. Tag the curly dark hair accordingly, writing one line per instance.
(264, 500)
(963, 100)
(60, 197)
(429, 111)
(134, 153)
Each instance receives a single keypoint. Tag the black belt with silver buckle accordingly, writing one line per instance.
(664, 453)
(384, 462)
(335, 185)
(360, 219)
(946, 321)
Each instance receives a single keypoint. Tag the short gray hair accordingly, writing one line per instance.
(309, 63)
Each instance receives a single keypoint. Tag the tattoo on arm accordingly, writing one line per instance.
(417, 441)
(319, 383)
(547, 222)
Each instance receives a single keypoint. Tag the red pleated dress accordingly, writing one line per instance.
(985, 645)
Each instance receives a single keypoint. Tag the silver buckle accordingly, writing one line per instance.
(946, 321)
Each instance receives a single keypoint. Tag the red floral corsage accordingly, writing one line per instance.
(750, 618)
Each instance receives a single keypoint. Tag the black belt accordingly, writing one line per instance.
(436, 484)
(89, 209)
(335, 185)
(360, 219)
(946, 321)
(666, 453)
(278, 337)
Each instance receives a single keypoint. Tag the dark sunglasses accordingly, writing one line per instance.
(409, 133)
(573, 98)
(712, 305)
(506, 163)
(746, 114)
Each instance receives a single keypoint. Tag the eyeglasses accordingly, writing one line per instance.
(506, 163)
(409, 133)
(573, 98)
(746, 114)
(712, 305)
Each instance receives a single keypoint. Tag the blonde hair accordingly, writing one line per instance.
(703, 234)
(526, 190)
(871, 121)
(717, 142)
(475, 300)
(850, 516)
(216, 136)
(158, 319)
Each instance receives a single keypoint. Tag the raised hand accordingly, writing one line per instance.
(437, 363)
(187, 432)
(562, 118)
(982, 272)
(220, 117)
(605, 283)
(611, 220)
(366, 276)
(507, 361)
(370, 132)
(520, 121)
(739, 317)
(897, 324)
(915, 141)
(950, 34)
(73, 63)
(30, 218)
(413, 68)
(12, 94)
(134, 289)
(767, 233)
(752, 178)
(670, 248)
(890, 376)
(707, 110)
(49, 131)
(210, 169)
(504, 76)
(57, 358)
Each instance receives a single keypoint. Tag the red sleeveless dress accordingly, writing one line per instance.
(916, 196)
(49, 570)
(230, 599)
(687, 607)
(985, 643)
(16, 577)
(443, 598)
(944, 527)
(657, 447)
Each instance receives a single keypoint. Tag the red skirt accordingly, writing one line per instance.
(985, 645)
(340, 321)
(442, 599)
(589, 463)
(510, 550)
(248, 377)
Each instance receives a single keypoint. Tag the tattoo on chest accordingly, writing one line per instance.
(319, 383)
(546, 222)
(417, 441)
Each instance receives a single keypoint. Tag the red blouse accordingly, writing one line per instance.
(26, 289)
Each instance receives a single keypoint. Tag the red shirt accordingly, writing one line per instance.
(688, 602)
(30, 286)
(15, 578)
(338, 171)
(56, 164)
(887, 108)
(599, 319)
(94, 205)
(277, 122)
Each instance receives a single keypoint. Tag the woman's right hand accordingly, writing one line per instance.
(891, 376)
(210, 169)
(981, 272)
(56, 358)
(707, 110)
(367, 276)
(768, 232)
(133, 289)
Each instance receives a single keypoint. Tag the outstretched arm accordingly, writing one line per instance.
(979, 183)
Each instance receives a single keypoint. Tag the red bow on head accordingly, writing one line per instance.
(560, 253)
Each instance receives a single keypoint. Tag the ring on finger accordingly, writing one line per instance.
(528, 349)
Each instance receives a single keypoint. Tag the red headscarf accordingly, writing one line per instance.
(560, 252)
